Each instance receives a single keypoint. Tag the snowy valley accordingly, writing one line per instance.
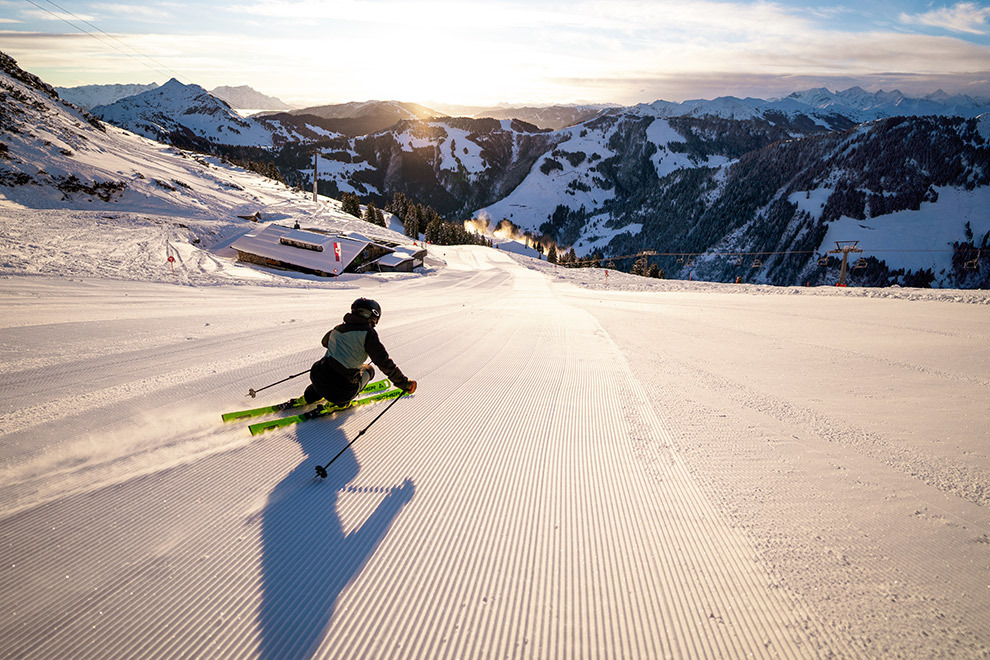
(720, 190)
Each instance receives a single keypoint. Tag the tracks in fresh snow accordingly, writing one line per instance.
(528, 501)
(548, 520)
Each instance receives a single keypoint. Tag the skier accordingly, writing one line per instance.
(340, 374)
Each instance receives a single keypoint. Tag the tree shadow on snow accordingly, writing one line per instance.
(307, 559)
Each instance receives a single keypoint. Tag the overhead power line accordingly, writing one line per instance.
(135, 54)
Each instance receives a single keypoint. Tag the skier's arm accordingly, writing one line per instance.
(376, 351)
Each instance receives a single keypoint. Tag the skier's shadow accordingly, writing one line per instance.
(307, 559)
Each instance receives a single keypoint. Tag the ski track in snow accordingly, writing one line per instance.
(683, 472)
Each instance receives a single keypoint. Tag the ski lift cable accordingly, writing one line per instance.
(161, 71)
(681, 256)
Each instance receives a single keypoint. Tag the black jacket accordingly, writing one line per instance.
(350, 344)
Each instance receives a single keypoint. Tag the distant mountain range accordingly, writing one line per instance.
(88, 97)
(243, 97)
(547, 116)
(773, 182)
(356, 118)
(188, 115)
(824, 107)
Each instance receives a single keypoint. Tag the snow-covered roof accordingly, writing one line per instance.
(395, 259)
(321, 253)
(404, 259)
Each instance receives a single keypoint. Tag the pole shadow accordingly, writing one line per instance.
(307, 558)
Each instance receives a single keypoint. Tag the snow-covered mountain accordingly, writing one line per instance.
(821, 107)
(244, 97)
(187, 115)
(818, 107)
(877, 105)
(451, 164)
(625, 182)
(803, 117)
(913, 190)
(88, 97)
(80, 197)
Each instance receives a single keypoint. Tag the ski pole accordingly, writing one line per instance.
(252, 392)
(321, 470)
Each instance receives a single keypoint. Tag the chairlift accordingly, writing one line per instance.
(860, 264)
(680, 259)
(689, 263)
(756, 263)
(823, 261)
(737, 261)
(974, 263)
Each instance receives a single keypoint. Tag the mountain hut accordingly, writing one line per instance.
(316, 253)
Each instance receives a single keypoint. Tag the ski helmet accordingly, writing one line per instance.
(367, 308)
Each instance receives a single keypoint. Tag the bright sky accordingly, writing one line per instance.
(517, 51)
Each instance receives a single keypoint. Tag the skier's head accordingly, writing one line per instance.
(367, 309)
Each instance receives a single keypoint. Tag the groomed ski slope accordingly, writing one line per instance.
(584, 472)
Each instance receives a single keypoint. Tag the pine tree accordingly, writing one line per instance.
(399, 205)
(373, 215)
(351, 204)
(552, 254)
(654, 271)
(410, 225)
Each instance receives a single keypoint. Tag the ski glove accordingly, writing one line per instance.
(410, 387)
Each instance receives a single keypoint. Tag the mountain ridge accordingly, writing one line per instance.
(241, 97)
(853, 104)
(245, 97)
(780, 180)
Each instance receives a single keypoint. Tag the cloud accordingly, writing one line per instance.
(548, 16)
(46, 15)
(133, 11)
(964, 17)
(520, 51)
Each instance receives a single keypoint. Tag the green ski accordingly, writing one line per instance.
(322, 411)
(370, 388)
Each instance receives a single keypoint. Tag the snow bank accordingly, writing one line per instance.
(595, 279)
